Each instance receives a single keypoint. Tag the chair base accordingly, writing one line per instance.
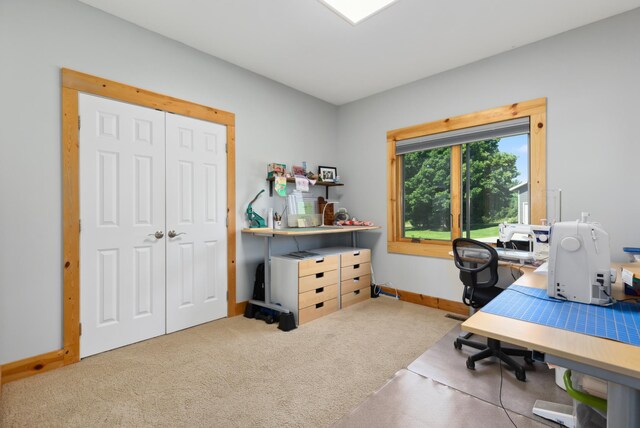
(493, 348)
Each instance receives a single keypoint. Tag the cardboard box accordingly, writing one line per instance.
(631, 279)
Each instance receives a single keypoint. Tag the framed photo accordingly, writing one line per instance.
(298, 170)
(328, 173)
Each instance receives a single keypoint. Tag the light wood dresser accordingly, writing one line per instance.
(355, 277)
(319, 285)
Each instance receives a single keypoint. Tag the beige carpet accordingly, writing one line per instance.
(233, 372)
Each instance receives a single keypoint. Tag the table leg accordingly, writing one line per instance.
(267, 281)
(267, 268)
(623, 392)
(623, 406)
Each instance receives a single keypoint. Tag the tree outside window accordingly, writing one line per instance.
(495, 170)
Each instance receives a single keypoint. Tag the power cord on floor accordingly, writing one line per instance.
(389, 285)
(500, 397)
(512, 274)
(377, 288)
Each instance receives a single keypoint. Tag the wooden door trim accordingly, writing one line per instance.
(74, 82)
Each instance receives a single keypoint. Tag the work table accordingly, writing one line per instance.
(613, 361)
(296, 231)
(269, 233)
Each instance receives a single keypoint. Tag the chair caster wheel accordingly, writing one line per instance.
(471, 365)
(521, 376)
(457, 345)
(528, 360)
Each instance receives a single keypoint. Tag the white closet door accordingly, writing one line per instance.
(196, 211)
(122, 202)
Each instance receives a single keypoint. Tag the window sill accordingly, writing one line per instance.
(425, 249)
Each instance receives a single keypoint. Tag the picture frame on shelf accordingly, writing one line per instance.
(298, 170)
(328, 174)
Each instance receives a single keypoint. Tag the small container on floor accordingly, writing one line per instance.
(287, 322)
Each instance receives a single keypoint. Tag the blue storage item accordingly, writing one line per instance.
(634, 252)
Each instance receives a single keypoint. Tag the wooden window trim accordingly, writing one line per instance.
(535, 109)
(73, 83)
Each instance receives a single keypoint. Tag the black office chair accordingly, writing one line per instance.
(478, 264)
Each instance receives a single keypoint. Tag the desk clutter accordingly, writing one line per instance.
(620, 321)
(631, 278)
(326, 174)
(348, 268)
(631, 272)
(299, 210)
(278, 176)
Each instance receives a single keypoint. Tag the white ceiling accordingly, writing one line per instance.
(304, 45)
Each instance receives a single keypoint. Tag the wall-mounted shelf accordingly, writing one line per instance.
(293, 180)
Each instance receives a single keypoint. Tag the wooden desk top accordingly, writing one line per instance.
(297, 231)
(594, 351)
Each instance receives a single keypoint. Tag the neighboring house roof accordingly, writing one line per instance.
(522, 187)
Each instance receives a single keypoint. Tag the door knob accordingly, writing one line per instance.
(173, 234)
(158, 235)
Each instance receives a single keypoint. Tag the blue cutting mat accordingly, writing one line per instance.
(620, 321)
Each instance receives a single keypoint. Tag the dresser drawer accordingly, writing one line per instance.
(320, 279)
(354, 284)
(355, 297)
(349, 272)
(317, 265)
(316, 311)
(356, 257)
(318, 295)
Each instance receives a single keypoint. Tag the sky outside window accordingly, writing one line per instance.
(519, 146)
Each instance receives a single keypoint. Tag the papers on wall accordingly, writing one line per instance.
(302, 184)
(281, 185)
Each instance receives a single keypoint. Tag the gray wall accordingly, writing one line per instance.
(590, 77)
(274, 124)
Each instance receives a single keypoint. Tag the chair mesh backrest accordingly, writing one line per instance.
(477, 261)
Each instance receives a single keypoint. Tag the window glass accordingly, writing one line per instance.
(495, 185)
(427, 194)
(431, 201)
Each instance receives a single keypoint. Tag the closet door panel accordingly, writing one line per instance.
(196, 213)
(122, 189)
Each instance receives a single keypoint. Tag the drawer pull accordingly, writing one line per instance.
(356, 266)
(320, 260)
(319, 290)
(356, 279)
(356, 292)
(319, 305)
(356, 253)
(320, 275)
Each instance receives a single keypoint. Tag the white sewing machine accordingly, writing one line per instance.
(537, 235)
(580, 262)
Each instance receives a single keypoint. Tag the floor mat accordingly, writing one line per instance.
(444, 364)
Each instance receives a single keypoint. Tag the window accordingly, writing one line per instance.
(464, 175)
(495, 183)
(427, 194)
